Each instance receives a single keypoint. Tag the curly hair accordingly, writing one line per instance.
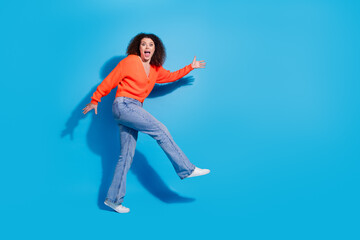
(159, 56)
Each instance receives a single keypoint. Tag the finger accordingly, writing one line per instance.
(194, 59)
(202, 61)
(86, 111)
(96, 110)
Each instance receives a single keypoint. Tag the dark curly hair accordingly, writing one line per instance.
(159, 56)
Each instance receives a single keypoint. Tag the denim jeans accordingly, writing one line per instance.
(131, 118)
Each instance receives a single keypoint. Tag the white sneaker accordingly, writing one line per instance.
(198, 172)
(118, 208)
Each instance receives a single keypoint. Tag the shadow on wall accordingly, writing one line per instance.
(103, 139)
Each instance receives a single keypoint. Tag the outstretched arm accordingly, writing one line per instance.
(110, 82)
(165, 76)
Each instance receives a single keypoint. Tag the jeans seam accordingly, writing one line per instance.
(172, 144)
(175, 148)
(124, 167)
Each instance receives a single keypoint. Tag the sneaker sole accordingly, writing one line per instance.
(107, 204)
(198, 175)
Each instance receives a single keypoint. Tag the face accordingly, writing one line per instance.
(147, 49)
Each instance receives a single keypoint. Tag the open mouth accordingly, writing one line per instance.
(147, 53)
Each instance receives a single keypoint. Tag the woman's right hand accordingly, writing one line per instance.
(89, 107)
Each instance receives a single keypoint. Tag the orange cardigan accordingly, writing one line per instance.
(130, 78)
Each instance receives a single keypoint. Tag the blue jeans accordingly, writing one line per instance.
(131, 118)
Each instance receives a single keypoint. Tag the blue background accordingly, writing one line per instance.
(275, 116)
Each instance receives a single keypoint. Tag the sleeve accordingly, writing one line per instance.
(165, 76)
(109, 83)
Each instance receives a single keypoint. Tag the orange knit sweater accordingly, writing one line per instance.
(131, 79)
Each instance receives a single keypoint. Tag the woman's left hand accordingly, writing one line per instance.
(198, 64)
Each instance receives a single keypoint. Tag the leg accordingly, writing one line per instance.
(117, 189)
(134, 116)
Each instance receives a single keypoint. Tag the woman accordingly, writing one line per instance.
(135, 77)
